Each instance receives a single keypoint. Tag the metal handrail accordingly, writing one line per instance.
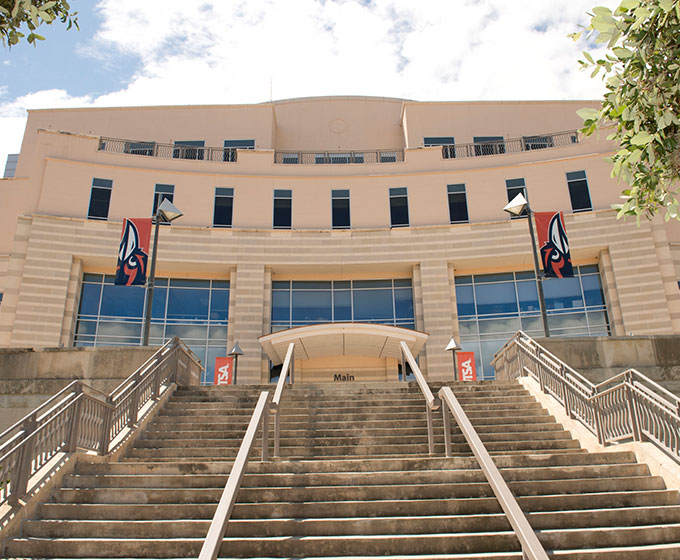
(431, 403)
(169, 151)
(286, 372)
(218, 526)
(628, 405)
(82, 417)
(532, 548)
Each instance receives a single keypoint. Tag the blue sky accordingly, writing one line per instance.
(158, 52)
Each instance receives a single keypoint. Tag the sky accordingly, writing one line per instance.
(172, 52)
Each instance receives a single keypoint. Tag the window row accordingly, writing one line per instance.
(494, 145)
(100, 197)
(492, 307)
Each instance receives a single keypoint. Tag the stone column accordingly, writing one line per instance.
(245, 324)
(437, 318)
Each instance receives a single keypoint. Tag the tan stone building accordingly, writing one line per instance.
(323, 210)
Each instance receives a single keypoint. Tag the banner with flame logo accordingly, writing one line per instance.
(467, 370)
(133, 253)
(552, 239)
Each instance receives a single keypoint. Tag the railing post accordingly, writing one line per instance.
(277, 428)
(632, 407)
(430, 430)
(598, 417)
(265, 432)
(74, 431)
(447, 428)
(106, 427)
(20, 483)
(565, 391)
(134, 402)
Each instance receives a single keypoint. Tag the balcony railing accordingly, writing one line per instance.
(170, 151)
(511, 145)
(339, 157)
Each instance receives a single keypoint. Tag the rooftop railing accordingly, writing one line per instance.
(511, 145)
(169, 151)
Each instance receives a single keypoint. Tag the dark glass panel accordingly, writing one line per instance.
(218, 333)
(403, 303)
(89, 299)
(160, 295)
(311, 285)
(592, 290)
(399, 211)
(86, 328)
(219, 305)
(282, 212)
(372, 305)
(311, 305)
(402, 283)
(465, 301)
(342, 305)
(122, 301)
(281, 306)
(184, 303)
(188, 283)
(562, 293)
(496, 298)
(99, 203)
(502, 277)
(458, 211)
(341, 213)
(224, 206)
(528, 296)
(368, 284)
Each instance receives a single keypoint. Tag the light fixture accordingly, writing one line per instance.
(515, 208)
(235, 352)
(453, 347)
(168, 212)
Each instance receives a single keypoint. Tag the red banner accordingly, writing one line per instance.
(133, 252)
(224, 371)
(554, 245)
(467, 370)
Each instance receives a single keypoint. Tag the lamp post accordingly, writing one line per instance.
(453, 347)
(515, 208)
(235, 352)
(169, 212)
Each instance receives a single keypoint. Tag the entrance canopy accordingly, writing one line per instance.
(342, 339)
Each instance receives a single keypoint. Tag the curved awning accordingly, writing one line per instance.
(342, 339)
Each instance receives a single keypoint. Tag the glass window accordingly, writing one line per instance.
(378, 301)
(578, 191)
(488, 145)
(224, 207)
(492, 307)
(283, 205)
(100, 197)
(161, 192)
(340, 208)
(515, 187)
(113, 315)
(231, 147)
(188, 149)
(399, 207)
(446, 142)
(458, 210)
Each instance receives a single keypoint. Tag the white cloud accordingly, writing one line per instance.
(235, 51)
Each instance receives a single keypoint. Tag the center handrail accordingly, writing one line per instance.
(431, 403)
(532, 549)
(286, 372)
(218, 526)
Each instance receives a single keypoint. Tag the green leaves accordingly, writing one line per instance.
(32, 14)
(641, 105)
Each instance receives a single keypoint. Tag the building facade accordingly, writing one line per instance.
(323, 210)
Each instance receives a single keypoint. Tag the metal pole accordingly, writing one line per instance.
(235, 370)
(455, 366)
(539, 278)
(149, 285)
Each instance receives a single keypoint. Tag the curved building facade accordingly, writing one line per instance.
(324, 210)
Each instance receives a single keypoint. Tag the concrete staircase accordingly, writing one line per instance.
(356, 480)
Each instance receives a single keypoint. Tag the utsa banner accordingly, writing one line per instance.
(133, 253)
(552, 239)
(224, 371)
(467, 371)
